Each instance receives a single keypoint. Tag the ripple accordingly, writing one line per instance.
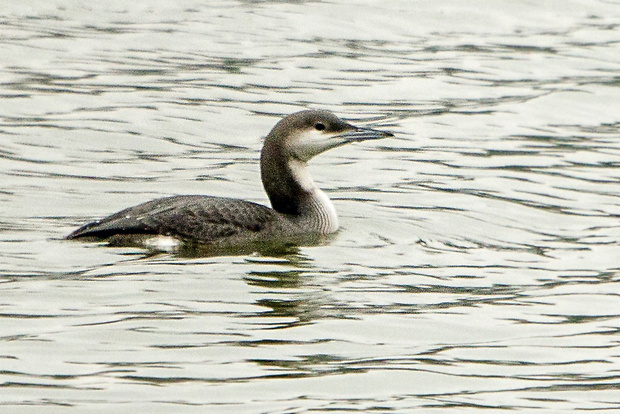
(476, 266)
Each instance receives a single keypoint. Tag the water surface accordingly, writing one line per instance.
(477, 265)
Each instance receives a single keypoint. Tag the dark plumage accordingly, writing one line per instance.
(299, 208)
(196, 217)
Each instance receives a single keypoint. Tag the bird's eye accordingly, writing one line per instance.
(319, 126)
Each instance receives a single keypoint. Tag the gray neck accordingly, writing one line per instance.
(292, 191)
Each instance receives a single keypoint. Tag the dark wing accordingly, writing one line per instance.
(199, 218)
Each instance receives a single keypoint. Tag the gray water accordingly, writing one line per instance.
(478, 262)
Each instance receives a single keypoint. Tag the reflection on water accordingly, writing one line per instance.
(477, 264)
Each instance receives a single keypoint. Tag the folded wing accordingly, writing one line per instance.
(200, 218)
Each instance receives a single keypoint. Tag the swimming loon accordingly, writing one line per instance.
(300, 208)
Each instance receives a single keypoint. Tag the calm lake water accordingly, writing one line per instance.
(478, 265)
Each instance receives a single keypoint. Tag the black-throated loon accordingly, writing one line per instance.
(300, 208)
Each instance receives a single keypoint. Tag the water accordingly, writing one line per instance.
(477, 266)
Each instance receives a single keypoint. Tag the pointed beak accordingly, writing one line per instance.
(363, 134)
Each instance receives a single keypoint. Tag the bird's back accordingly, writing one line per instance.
(198, 218)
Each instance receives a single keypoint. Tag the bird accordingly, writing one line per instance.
(299, 212)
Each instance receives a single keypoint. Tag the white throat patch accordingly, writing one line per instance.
(321, 204)
(312, 142)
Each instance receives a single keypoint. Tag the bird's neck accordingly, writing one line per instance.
(292, 192)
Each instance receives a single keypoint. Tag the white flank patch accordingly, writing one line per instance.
(167, 244)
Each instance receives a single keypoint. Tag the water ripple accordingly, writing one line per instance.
(476, 267)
